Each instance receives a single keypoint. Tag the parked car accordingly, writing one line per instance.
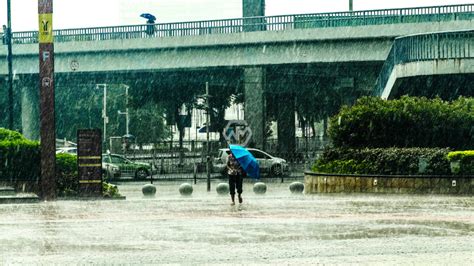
(114, 166)
(68, 150)
(268, 164)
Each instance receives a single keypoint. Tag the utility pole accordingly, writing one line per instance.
(351, 6)
(47, 112)
(8, 37)
(208, 157)
(104, 114)
(127, 118)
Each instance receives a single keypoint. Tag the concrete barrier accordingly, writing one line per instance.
(222, 189)
(186, 189)
(149, 190)
(260, 188)
(419, 184)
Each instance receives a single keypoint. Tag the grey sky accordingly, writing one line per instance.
(90, 13)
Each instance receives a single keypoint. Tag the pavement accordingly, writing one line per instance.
(275, 228)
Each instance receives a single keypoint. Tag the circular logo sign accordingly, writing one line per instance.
(74, 65)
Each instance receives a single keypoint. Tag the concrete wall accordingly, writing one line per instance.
(333, 183)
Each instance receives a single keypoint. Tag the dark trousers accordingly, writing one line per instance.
(235, 181)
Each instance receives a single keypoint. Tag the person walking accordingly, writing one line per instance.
(236, 174)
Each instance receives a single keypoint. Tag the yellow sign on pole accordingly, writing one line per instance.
(45, 28)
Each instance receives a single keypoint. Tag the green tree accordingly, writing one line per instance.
(147, 123)
(407, 122)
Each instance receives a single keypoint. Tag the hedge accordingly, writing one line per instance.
(67, 183)
(20, 161)
(462, 162)
(406, 122)
(389, 161)
(10, 135)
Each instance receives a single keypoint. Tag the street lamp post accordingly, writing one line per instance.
(208, 150)
(8, 37)
(127, 118)
(104, 113)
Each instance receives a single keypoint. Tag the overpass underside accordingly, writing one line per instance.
(272, 93)
(447, 87)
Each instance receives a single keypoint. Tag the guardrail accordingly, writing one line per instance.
(423, 47)
(268, 23)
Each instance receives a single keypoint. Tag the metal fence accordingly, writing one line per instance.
(267, 23)
(424, 47)
(170, 163)
(189, 167)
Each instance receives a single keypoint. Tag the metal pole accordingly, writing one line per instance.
(351, 6)
(104, 114)
(126, 111)
(208, 158)
(10, 65)
(47, 113)
(151, 173)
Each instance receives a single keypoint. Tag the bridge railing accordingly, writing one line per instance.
(269, 23)
(423, 47)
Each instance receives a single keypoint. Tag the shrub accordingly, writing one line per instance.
(390, 161)
(110, 190)
(19, 157)
(67, 183)
(9, 135)
(407, 122)
(20, 160)
(465, 159)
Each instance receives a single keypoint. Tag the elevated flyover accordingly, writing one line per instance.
(416, 62)
(361, 36)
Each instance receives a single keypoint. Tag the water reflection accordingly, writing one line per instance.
(49, 216)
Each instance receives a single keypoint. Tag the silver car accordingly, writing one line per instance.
(268, 164)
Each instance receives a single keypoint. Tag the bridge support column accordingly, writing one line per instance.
(286, 124)
(30, 111)
(253, 8)
(254, 82)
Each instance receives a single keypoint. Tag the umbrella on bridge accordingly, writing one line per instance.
(246, 160)
(148, 16)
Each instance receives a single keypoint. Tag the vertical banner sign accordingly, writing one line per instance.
(46, 79)
(89, 162)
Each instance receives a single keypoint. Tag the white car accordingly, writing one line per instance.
(268, 164)
(68, 150)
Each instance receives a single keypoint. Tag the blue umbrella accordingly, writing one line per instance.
(246, 160)
(148, 16)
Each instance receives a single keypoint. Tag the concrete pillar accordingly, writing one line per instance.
(286, 124)
(30, 111)
(3, 103)
(253, 8)
(254, 83)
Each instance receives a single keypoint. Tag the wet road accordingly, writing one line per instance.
(277, 228)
